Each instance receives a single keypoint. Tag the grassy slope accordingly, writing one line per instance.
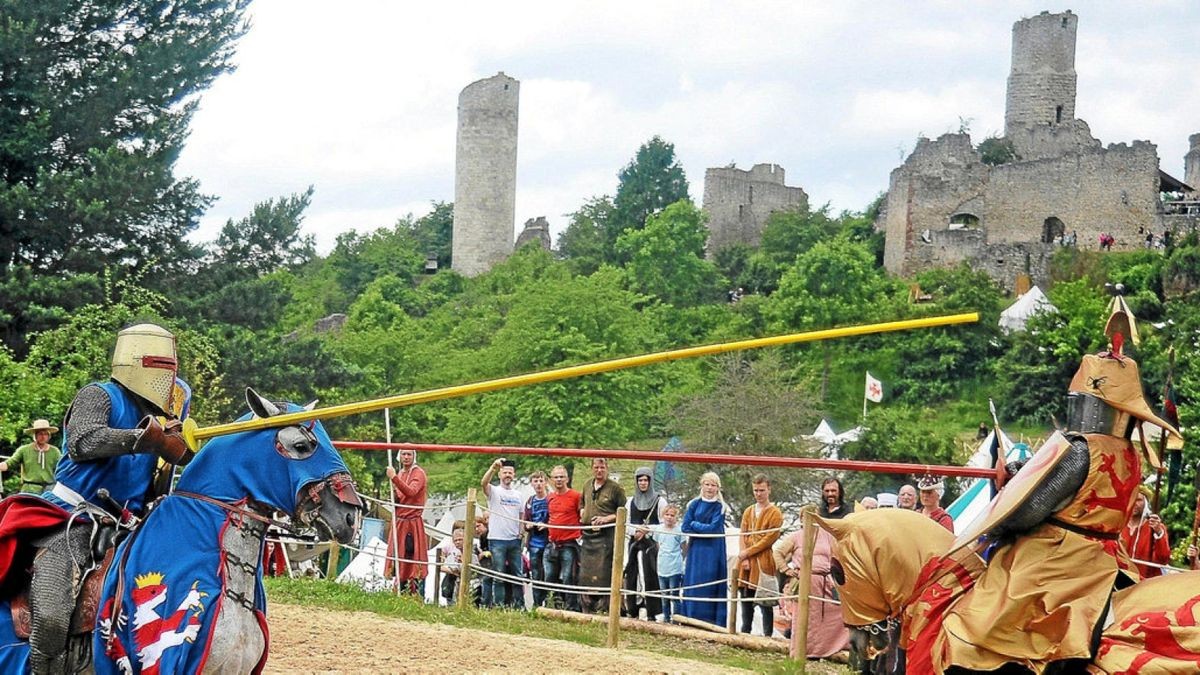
(350, 598)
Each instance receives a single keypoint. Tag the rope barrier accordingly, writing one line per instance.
(416, 507)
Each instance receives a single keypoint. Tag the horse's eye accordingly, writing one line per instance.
(296, 442)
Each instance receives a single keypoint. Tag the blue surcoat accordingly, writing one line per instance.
(126, 477)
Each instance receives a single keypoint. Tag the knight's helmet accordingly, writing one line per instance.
(144, 362)
(1106, 397)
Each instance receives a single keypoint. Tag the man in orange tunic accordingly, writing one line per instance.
(408, 546)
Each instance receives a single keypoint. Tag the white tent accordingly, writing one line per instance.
(1018, 314)
(832, 441)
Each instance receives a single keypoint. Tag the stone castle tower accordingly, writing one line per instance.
(1191, 163)
(738, 203)
(485, 174)
(1041, 83)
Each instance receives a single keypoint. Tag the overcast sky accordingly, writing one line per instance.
(359, 98)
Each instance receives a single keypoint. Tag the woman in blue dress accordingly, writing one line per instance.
(706, 555)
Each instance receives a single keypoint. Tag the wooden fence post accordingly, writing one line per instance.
(614, 587)
(464, 571)
(731, 603)
(331, 566)
(800, 624)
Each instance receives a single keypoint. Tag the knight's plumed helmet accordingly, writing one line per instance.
(1115, 381)
(144, 362)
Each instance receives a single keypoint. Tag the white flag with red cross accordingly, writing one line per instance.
(874, 392)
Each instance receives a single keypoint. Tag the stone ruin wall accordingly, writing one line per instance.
(923, 193)
(738, 203)
(537, 231)
(1112, 190)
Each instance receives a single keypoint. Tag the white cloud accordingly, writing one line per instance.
(359, 99)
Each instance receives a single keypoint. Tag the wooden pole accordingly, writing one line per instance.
(731, 604)
(614, 587)
(692, 629)
(193, 434)
(331, 566)
(800, 621)
(464, 576)
(437, 577)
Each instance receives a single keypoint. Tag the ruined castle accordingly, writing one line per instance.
(738, 203)
(945, 205)
(485, 174)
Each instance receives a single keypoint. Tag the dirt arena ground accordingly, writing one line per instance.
(328, 641)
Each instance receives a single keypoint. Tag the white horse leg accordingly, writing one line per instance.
(238, 641)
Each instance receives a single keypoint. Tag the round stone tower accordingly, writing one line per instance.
(1191, 163)
(1041, 84)
(485, 174)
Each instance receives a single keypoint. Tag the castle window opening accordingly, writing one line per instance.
(961, 220)
(1053, 230)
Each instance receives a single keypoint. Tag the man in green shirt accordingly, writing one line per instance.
(37, 460)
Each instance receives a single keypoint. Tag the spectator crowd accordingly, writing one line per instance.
(676, 562)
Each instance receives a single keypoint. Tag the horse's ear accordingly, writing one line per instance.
(311, 405)
(259, 405)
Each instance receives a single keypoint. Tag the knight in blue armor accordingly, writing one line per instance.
(114, 435)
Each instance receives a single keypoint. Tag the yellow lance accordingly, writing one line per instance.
(193, 434)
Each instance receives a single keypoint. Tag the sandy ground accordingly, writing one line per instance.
(306, 640)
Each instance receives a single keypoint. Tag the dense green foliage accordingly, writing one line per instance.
(95, 98)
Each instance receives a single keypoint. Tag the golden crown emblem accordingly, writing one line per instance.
(148, 579)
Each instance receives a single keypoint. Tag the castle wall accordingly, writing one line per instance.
(1113, 190)
(933, 183)
(485, 174)
(738, 202)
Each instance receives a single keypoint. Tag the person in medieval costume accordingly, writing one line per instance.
(408, 545)
(115, 435)
(827, 635)
(601, 499)
(761, 524)
(644, 512)
(706, 572)
(1043, 598)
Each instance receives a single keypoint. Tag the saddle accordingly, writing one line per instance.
(87, 603)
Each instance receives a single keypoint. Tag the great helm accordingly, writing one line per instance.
(1106, 397)
(144, 362)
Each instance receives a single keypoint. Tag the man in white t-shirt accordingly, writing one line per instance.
(505, 503)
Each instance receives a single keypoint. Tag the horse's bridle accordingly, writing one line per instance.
(308, 513)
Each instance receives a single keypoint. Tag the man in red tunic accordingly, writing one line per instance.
(931, 501)
(408, 546)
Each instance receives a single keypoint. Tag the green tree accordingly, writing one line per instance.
(266, 240)
(756, 407)
(582, 244)
(793, 232)
(653, 180)
(433, 232)
(666, 258)
(996, 150)
(97, 97)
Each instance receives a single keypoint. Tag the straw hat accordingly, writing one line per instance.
(41, 425)
(1116, 382)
